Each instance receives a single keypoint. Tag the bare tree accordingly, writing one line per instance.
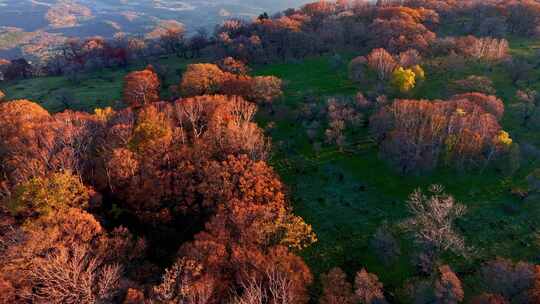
(253, 292)
(73, 276)
(280, 287)
(193, 110)
(382, 62)
(185, 283)
(488, 48)
(432, 220)
(409, 58)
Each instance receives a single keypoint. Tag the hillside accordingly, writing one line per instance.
(107, 18)
(300, 163)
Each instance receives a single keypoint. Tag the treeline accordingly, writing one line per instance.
(397, 26)
(316, 28)
(77, 56)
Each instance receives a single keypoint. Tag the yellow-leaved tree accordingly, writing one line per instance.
(403, 79)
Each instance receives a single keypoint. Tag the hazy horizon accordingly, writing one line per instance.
(28, 27)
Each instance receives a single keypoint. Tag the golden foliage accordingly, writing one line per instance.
(104, 114)
(419, 72)
(298, 235)
(504, 138)
(42, 195)
(201, 79)
(151, 129)
(403, 79)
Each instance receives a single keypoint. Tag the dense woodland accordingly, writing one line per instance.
(180, 192)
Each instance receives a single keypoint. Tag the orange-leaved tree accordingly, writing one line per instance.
(141, 87)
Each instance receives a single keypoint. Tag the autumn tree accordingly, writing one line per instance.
(16, 69)
(3, 65)
(342, 113)
(184, 282)
(132, 156)
(511, 280)
(265, 89)
(523, 17)
(2, 95)
(243, 243)
(489, 103)
(37, 143)
(43, 195)
(368, 288)
(381, 62)
(463, 132)
(240, 85)
(527, 106)
(519, 70)
(198, 41)
(233, 66)
(151, 130)
(442, 286)
(67, 256)
(473, 83)
(448, 288)
(403, 79)
(76, 55)
(228, 179)
(200, 79)
(336, 289)
(419, 73)
(134, 296)
(409, 58)
(141, 87)
(184, 148)
(399, 28)
(252, 234)
(489, 49)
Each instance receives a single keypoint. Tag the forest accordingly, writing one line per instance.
(343, 152)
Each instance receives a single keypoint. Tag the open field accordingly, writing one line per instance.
(89, 91)
(347, 196)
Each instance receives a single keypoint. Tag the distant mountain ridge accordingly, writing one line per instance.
(28, 27)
